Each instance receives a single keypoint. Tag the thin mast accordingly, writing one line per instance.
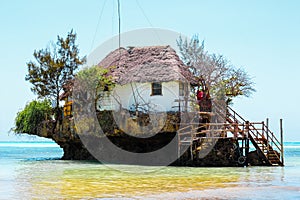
(119, 20)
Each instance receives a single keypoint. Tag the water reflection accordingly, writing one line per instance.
(65, 179)
(56, 179)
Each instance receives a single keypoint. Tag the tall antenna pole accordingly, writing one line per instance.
(119, 15)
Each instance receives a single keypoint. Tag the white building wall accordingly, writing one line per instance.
(130, 94)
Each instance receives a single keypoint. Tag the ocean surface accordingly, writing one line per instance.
(32, 170)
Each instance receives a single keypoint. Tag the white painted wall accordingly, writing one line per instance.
(142, 91)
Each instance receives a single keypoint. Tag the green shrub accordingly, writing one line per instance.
(34, 113)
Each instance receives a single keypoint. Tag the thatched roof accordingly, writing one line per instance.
(146, 64)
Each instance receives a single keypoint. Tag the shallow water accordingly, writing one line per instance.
(32, 171)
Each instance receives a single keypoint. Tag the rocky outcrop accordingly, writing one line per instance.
(223, 152)
(255, 159)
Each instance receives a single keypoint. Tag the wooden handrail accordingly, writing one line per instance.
(236, 113)
(258, 132)
(271, 140)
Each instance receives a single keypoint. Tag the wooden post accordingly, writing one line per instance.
(247, 142)
(263, 129)
(281, 141)
(243, 147)
(268, 149)
(244, 134)
(179, 146)
(267, 124)
(267, 132)
(247, 148)
(247, 129)
(235, 130)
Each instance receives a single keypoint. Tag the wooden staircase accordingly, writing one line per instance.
(230, 122)
(261, 137)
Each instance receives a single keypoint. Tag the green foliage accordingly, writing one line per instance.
(95, 79)
(30, 118)
(53, 67)
(223, 80)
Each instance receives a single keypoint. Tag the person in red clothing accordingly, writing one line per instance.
(200, 95)
(204, 100)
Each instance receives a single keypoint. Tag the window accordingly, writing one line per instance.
(181, 89)
(156, 89)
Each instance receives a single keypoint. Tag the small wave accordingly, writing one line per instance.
(292, 147)
(28, 144)
(43, 159)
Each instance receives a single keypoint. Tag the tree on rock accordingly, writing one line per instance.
(53, 67)
(30, 118)
(223, 80)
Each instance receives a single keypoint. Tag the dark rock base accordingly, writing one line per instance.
(224, 153)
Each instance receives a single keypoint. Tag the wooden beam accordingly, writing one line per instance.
(281, 141)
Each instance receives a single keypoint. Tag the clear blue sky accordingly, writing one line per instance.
(261, 36)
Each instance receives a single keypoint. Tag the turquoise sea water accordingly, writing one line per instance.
(32, 170)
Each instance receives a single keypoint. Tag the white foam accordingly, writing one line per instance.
(28, 144)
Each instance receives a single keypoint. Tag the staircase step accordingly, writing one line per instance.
(275, 161)
(260, 139)
(185, 143)
(256, 136)
(272, 157)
